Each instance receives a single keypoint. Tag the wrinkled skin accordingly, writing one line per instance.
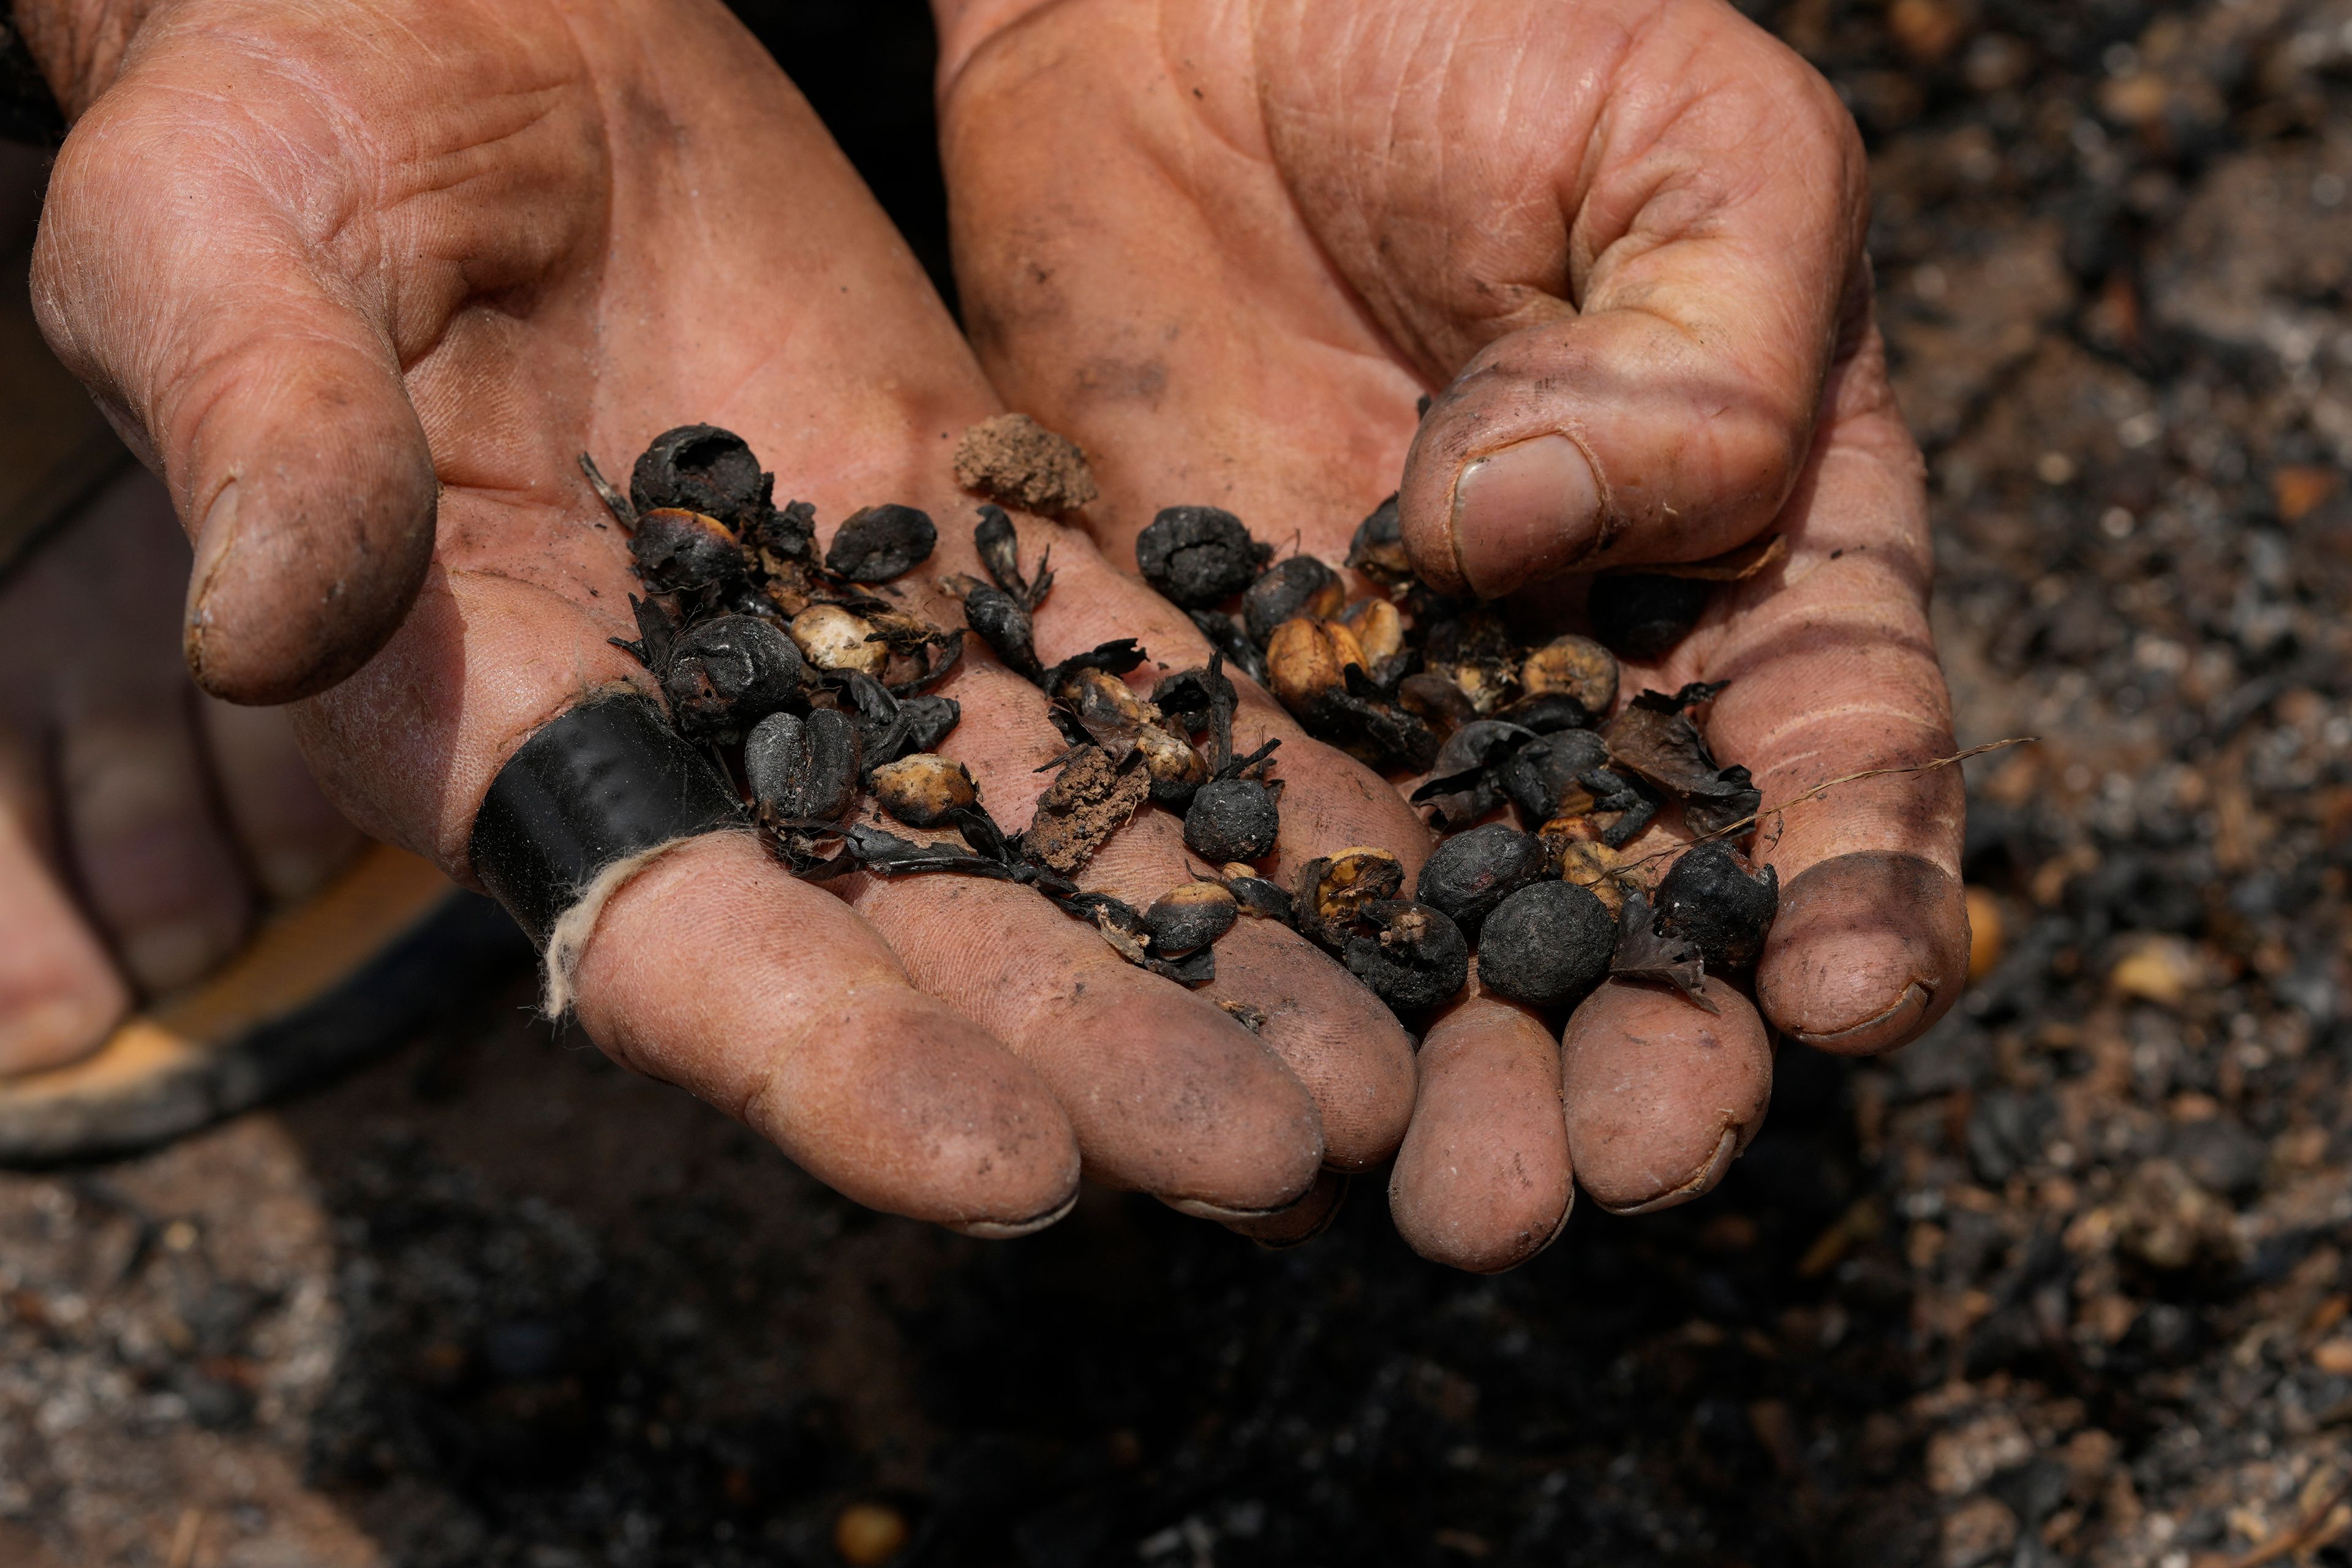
(1226, 244)
(448, 246)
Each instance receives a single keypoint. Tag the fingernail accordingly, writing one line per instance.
(215, 537)
(1523, 511)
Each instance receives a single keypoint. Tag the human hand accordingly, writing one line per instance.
(453, 246)
(1226, 245)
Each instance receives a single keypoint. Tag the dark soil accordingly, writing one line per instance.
(2067, 1282)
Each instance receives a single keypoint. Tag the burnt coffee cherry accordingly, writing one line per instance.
(1298, 585)
(788, 533)
(1190, 918)
(1642, 614)
(1329, 892)
(677, 551)
(1233, 819)
(701, 467)
(1305, 662)
(1573, 666)
(1468, 874)
(1197, 555)
(877, 543)
(1544, 778)
(923, 790)
(1715, 899)
(1377, 549)
(803, 769)
(1476, 651)
(1257, 897)
(1546, 945)
(1412, 957)
(833, 639)
(1178, 769)
(728, 674)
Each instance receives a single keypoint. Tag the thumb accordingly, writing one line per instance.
(268, 398)
(1663, 408)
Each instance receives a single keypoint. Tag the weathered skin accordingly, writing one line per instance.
(1226, 244)
(484, 238)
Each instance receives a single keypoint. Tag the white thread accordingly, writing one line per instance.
(569, 940)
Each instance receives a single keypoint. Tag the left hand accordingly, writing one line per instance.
(1227, 244)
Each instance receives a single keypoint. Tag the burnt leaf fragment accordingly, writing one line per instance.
(614, 501)
(657, 631)
(1656, 739)
(1225, 634)
(1004, 626)
(1644, 953)
(998, 544)
(788, 533)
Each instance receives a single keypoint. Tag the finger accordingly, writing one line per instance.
(59, 993)
(1661, 1095)
(262, 370)
(288, 834)
(1632, 339)
(1303, 1221)
(1833, 670)
(1483, 1182)
(714, 968)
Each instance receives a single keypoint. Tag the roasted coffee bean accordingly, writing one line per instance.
(876, 544)
(1574, 666)
(1717, 900)
(833, 639)
(728, 674)
(1546, 777)
(1413, 957)
(1190, 918)
(1258, 897)
(1468, 874)
(676, 551)
(803, 769)
(1377, 549)
(1378, 627)
(1546, 945)
(1307, 661)
(923, 790)
(1298, 585)
(1644, 615)
(1197, 555)
(1329, 892)
(1178, 769)
(700, 468)
(1233, 819)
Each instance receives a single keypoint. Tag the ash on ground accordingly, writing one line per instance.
(2065, 1282)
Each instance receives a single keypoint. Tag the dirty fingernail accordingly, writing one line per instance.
(215, 537)
(1523, 511)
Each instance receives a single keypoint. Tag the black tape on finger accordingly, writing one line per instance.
(590, 795)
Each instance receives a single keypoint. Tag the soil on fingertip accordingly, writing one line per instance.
(2069, 1281)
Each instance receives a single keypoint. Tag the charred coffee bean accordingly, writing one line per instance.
(728, 674)
(1004, 626)
(877, 543)
(1468, 874)
(1233, 819)
(923, 790)
(1377, 549)
(788, 532)
(1329, 892)
(1299, 586)
(1305, 661)
(1573, 666)
(1190, 918)
(833, 639)
(1642, 614)
(1225, 634)
(1717, 900)
(1415, 958)
(700, 468)
(1192, 698)
(1259, 898)
(803, 769)
(1546, 945)
(1197, 555)
(1178, 769)
(677, 551)
(1476, 652)
(1545, 777)
(1579, 855)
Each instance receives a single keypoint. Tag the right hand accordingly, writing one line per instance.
(322, 264)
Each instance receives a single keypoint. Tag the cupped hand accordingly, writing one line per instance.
(1227, 245)
(363, 279)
